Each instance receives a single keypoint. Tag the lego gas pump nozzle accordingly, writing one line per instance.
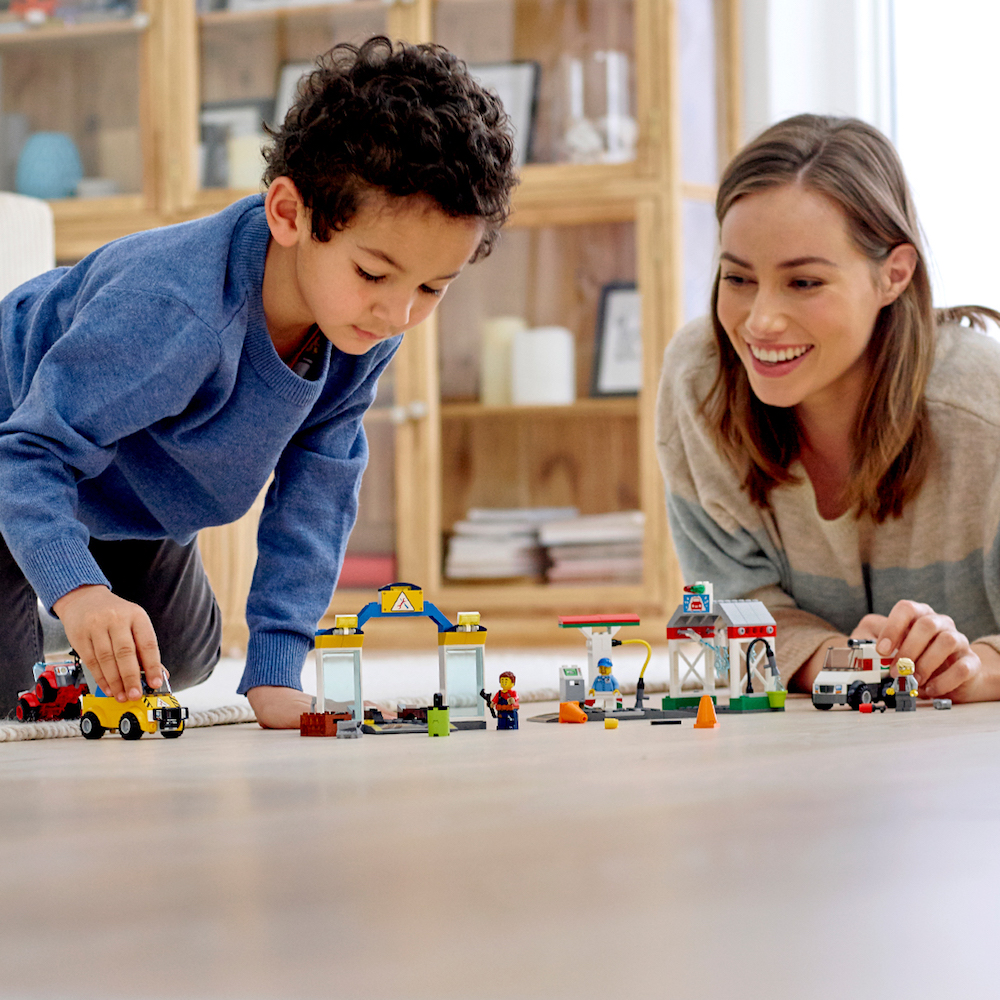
(772, 666)
(489, 704)
(640, 684)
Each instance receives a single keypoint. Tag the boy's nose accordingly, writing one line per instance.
(395, 311)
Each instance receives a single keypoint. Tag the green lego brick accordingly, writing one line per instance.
(750, 703)
(437, 722)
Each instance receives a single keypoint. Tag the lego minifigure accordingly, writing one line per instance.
(506, 702)
(605, 687)
(905, 686)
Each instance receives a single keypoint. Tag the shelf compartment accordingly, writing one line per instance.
(592, 464)
(548, 276)
(585, 53)
(90, 90)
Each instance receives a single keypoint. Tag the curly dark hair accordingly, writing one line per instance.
(404, 120)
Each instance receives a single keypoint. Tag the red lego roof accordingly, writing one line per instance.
(581, 621)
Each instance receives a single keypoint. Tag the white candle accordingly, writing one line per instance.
(544, 367)
(495, 359)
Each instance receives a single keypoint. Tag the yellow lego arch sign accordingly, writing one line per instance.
(402, 598)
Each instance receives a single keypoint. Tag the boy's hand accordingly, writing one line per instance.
(113, 637)
(278, 707)
(943, 658)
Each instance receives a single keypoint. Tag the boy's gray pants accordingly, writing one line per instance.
(166, 579)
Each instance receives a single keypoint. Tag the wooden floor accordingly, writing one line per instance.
(799, 855)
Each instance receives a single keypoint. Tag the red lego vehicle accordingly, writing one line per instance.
(56, 694)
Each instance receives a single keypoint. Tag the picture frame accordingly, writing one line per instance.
(221, 121)
(618, 341)
(516, 84)
(287, 90)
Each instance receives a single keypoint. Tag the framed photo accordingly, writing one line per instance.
(225, 126)
(618, 350)
(288, 82)
(516, 84)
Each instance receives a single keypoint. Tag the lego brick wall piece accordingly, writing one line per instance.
(321, 723)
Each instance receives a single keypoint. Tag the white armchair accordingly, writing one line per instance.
(27, 240)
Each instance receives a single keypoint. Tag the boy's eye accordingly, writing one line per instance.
(374, 278)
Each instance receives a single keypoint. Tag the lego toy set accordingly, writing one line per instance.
(458, 704)
(732, 641)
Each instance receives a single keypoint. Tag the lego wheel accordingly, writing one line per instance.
(128, 726)
(858, 695)
(26, 712)
(72, 710)
(172, 734)
(46, 692)
(91, 727)
(823, 707)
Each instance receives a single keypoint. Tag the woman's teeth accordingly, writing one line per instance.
(785, 354)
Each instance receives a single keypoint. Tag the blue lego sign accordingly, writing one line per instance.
(697, 604)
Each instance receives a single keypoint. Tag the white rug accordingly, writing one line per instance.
(412, 677)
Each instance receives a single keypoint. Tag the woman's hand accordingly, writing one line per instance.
(946, 663)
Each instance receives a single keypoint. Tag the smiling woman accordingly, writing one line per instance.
(814, 431)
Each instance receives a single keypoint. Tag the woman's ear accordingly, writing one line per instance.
(286, 212)
(897, 272)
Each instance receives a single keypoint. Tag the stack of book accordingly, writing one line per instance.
(597, 548)
(501, 543)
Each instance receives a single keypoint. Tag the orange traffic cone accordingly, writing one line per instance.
(706, 714)
(570, 711)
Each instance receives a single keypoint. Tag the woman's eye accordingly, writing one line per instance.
(375, 278)
(806, 283)
(431, 291)
(736, 280)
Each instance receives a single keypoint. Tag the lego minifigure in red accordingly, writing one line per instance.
(506, 703)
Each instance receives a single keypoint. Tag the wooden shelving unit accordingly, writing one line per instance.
(619, 221)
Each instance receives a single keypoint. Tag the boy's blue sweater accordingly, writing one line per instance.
(141, 397)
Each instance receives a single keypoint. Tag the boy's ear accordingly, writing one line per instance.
(286, 212)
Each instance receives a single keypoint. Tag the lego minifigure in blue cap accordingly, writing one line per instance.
(605, 687)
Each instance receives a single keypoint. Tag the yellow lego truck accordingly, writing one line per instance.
(155, 710)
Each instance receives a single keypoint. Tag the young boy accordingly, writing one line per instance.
(150, 390)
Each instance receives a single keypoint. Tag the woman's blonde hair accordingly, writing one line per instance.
(855, 165)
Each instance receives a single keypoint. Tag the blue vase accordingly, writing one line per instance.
(49, 166)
